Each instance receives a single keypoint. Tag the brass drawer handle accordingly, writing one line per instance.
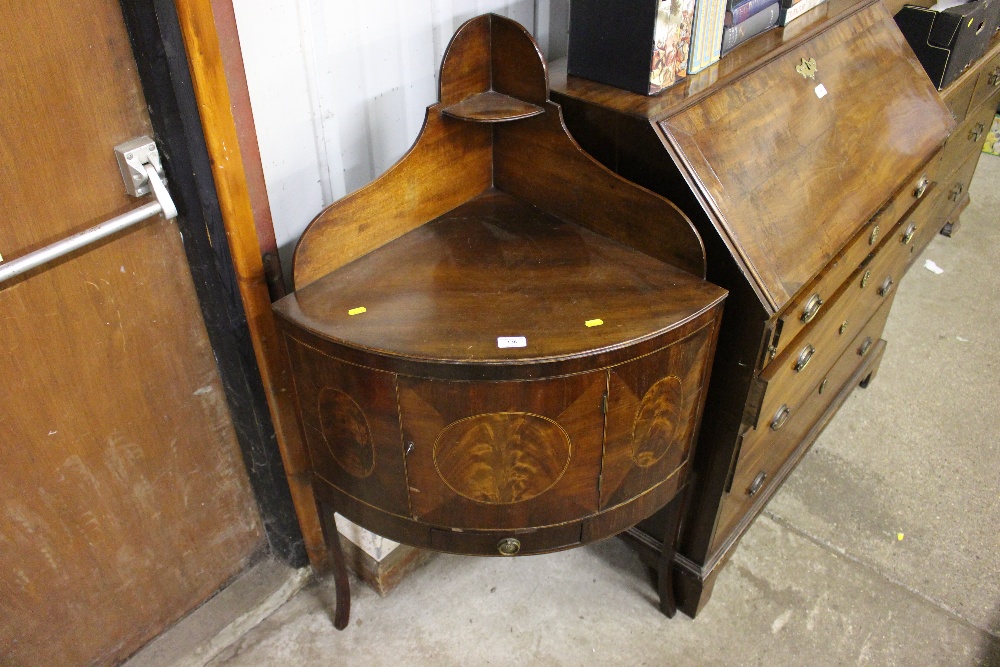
(865, 346)
(805, 356)
(874, 235)
(508, 546)
(757, 483)
(811, 308)
(921, 187)
(956, 191)
(780, 417)
(885, 287)
(995, 77)
(911, 230)
(976, 133)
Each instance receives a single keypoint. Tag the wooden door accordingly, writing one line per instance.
(123, 497)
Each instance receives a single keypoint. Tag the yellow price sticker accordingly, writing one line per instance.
(357, 311)
(593, 323)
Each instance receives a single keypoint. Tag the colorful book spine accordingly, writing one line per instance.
(706, 34)
(760, 22)
(789, 14)
(671, 43)
(745, 11)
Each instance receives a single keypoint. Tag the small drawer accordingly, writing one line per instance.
(968, 139)
(806, 307)
(760, 462)
(989, 81)
(506, 542)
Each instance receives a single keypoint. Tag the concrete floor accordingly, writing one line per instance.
(882, 548)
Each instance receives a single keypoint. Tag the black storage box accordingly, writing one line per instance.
(948, 41)
(638, 45)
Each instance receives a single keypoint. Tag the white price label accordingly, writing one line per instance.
(512, 341)
(821, 91)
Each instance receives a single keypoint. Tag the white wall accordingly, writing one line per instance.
(338, 90)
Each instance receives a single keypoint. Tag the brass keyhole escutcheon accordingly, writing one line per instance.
(843, 327)
(865, 278)
(874, 236)
(508, 546)
(807, 68)
(822, 385)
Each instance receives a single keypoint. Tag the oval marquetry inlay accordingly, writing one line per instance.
(502, 457)
(656, 423)
(345, 430)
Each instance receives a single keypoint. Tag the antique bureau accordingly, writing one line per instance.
(499, 347)
(810, 161)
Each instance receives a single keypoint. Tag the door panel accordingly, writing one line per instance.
(123, 498)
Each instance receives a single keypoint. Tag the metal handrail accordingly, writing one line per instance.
(163, 204)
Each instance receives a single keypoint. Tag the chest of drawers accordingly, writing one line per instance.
(813, 197)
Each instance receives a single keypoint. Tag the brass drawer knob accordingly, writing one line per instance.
(911, 230)
(976, 133)
(780, 417)
(865, 278)
(885, 287)
(508, 546)
(874, 235)
(757, 483)
(921, 187)
(811, 308)
(865, 346)
(805, 356)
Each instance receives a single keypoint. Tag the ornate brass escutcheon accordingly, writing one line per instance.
(874, 236)
(807, 68)
(865, 278)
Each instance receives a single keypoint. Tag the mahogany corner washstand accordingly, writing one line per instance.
(499, 347)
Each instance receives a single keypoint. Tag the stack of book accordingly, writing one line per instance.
(722, 25)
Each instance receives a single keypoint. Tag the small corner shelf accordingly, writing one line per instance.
(492, 107)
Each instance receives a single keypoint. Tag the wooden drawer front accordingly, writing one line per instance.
(506, 542)
(503, 454)
(759, 462)
(802, 311)
(967, 139)
(351, 426)
(788, 380)
(989, 81)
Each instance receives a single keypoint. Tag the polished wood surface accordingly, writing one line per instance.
(503, 367)
(125, 500)
(797, 151)
(495, 267)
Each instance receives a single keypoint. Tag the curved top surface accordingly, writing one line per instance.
(496, 267)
